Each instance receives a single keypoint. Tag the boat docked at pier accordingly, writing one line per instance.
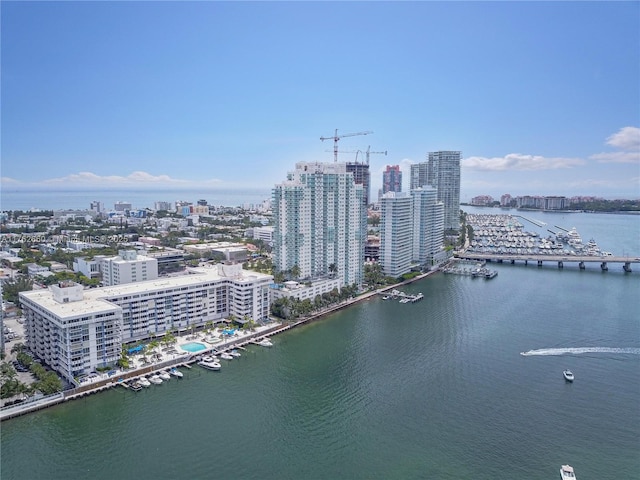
(209, 363)
(164, 375)
(176, 373)
(155, 379)
(265, 342)
(144, 382)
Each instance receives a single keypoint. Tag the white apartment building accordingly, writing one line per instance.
(76, 331)
(264, 233)
(320, 223)
(89, 268)
(411, 231)
(443, 173)
(302, 291)
(396, 233)
(128, 267)
(428, 227)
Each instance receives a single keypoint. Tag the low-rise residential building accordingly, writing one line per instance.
(128, 267)
(302, 291)
(76, 330)
(33, 269)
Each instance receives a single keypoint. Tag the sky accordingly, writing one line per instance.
(541, 98)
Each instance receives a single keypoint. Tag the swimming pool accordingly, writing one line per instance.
(193, 347)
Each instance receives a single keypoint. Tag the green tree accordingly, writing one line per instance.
(11, 288)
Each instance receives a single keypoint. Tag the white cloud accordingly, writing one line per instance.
(627, 139)
(138, 179)
(519, 161)
(617, 157)
(89, 178)
(8, 181)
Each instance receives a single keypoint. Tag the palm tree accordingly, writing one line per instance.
(333, 269)
(295, 271)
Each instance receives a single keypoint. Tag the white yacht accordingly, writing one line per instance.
(209, 364)
(176, 373)
(155, 379)
(164, 375)
(566, 473)
(265, 342)
(235, 353)
(226, 356)
(568, 375)
(144, 382)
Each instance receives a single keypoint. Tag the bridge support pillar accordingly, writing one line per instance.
(604, 266)
(560, 265)
(525, 263)
(539, 263)
(499, 260)
(627, 267)
(512, 262)
(581, 265)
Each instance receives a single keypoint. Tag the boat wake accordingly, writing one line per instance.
(579, 350)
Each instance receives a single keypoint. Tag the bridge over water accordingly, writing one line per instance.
(581, 260)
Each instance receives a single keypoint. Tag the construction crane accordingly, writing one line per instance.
(337, 137)
(367, 153)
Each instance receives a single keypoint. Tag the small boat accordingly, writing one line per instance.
(209, 364)
(144, 382)
(226, 356)
(155, 379)
(568, 375)
(566, 473)
(176, 373)
(386, 297)
(164, 375)
(235, 353)
(265, 342)
(135, 386)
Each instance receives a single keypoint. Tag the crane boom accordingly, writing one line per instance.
(337, 137)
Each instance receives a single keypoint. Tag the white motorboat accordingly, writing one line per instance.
(176, 373)
(235, 353)
(226, 356)
(164, 375)
(265, 342)
(144, 382)
(209, 364)
(568, 375)
(155, 379)
(566, 473)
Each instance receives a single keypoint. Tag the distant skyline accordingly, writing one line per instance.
(541, 98)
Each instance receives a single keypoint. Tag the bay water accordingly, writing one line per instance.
(466, 384)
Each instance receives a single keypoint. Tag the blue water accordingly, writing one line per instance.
(193, 347)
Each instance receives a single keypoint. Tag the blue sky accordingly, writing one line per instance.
(541, 97)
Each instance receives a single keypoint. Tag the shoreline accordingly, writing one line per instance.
(40, 403)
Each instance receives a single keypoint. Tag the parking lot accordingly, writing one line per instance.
(14, 334)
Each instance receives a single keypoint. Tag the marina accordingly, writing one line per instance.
(500, 238)
(401, 296)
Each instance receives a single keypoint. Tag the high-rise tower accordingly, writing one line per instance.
(443, 172)
(418, 176)
(320, 223)
(392, 179)
(362, 177)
